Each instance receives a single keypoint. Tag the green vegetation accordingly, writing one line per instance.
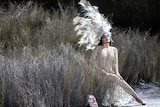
(42, 66)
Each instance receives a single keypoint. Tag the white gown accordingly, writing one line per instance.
(117, 91)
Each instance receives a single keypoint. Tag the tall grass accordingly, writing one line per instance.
(139, 55)
(30, 25)
(42, 66)
(52, 80)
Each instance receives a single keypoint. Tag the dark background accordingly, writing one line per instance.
(142, 14)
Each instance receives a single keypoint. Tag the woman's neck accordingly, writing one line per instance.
(106, 45)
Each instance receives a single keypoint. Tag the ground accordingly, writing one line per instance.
(149, 92)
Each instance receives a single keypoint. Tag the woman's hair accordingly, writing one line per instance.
(100, 42)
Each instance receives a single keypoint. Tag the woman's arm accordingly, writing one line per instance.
(95, 58)
(94, 54)
(115, 63)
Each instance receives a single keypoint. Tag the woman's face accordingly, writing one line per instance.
(106, 39)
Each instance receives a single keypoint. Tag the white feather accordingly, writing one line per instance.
(91, 26)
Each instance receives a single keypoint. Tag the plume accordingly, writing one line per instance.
(90, 25)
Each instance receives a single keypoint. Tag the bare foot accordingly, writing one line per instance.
(140, 101)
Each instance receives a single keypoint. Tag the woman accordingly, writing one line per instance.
(106, 59)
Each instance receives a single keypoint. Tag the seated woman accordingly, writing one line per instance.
(106, 59)
(92, 27)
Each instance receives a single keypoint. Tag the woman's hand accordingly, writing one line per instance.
(120, 76)
(104, 73)
(111, 74)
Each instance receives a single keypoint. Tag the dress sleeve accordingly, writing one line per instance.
(115, 62)
(94, 53)
(93, 58)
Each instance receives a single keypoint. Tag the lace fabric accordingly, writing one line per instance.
(117, 90)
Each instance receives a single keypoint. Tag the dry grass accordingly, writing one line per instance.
(49, 80)
(42, 66)
(30, 25)
(139, 55)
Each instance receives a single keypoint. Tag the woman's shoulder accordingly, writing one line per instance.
(112, 47)
(98, 47)
(101, 47)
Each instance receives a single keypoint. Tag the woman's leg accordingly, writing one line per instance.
(129, 90)
(111, 91)
(122, 83)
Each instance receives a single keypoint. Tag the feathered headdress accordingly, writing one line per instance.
(91, 25)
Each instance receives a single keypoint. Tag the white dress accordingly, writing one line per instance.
(118, 89)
